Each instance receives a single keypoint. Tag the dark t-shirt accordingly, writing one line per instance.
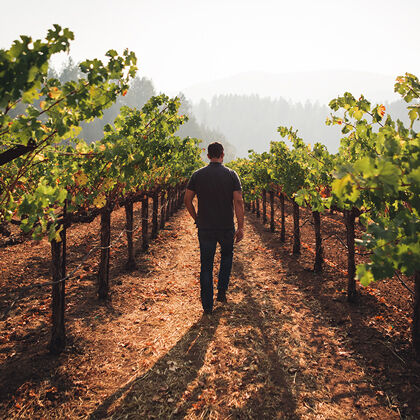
(214, 185)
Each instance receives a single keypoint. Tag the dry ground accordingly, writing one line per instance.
(286, 345)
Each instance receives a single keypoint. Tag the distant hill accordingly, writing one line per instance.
(251, 121)
(314, 86)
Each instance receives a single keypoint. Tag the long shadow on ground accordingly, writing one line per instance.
(158, 392)
(29, 364)
(274, 399)
(268, 342)
(398, 376)
(174, 384)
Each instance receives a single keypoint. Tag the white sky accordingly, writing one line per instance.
(182, 42)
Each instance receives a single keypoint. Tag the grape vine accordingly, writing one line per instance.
(375, 176)
(51, 179)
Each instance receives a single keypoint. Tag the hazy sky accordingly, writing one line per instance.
(182, 42)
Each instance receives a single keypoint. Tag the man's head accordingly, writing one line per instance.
(215, 151)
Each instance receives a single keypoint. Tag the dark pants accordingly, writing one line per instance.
(208, 240)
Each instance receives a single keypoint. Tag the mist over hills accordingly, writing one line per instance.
(249, 107)
(140, 91)
(243, 121)
(321, 86)
(250, 121)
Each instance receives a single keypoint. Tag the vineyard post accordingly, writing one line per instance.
(296, 228)
(179, 196)
(103, 274)
(58, 254)
(155, 225)
(257, 204)
(319, 259)
(415, 332)
(145, 222)
(282, 218)
(179, 204)
(168, 205)
(173, 205)
(253, 206)
(183, 194)
(169, 210)
(173, 201)
(349, 218)
(264, 205)
(162, 209)
(64, 240)
(131, 262)
(272, 210)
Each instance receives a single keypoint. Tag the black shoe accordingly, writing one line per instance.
(221, 296)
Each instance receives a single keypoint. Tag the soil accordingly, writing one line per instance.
(286, 345)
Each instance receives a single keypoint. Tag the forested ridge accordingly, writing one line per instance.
(251, 121)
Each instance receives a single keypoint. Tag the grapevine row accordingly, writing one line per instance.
(51, 179)
(375, 177)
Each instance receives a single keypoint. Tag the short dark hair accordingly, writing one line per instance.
(215, 150)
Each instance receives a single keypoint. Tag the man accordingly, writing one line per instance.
(219, 193)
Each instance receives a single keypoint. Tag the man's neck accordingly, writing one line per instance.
(216, 160)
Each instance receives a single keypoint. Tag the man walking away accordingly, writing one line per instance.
(219, 194)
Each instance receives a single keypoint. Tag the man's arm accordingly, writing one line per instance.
(188, 200)
(238, 204)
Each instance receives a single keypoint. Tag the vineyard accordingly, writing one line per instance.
(373, 178)
(100, 313)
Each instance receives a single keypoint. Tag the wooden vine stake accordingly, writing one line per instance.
(173, 202)
(58, 254)
(103, 274)
(296, 228)
(264, 206)
(168, 205)
(178, 196)
(145, 222)
(257, 205)
(319, 258)
(129, 226)
(155, 214)
(181, 196)
(272, 228)
(162, 210)
(282, 219)
(349, 218)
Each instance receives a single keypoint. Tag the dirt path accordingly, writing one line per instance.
(266, 354)
(270, 352)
